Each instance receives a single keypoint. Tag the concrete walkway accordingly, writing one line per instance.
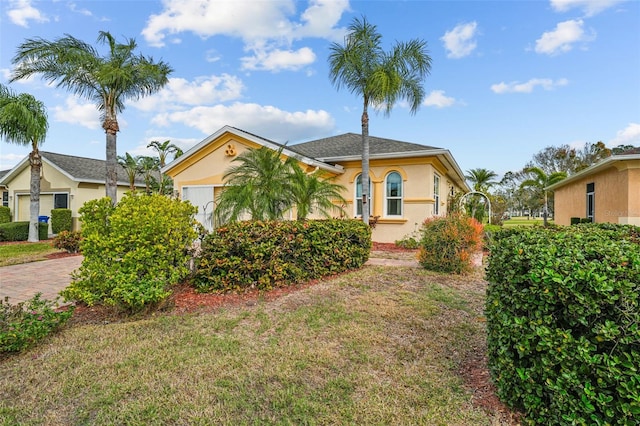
(49, 277)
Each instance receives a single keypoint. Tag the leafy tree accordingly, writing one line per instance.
(164, 149)
(311, 192)
(381, 78)
(622, 148)
(108, 80)
(131, 166)
(148, 167)
(23, 120)
(567, 159)
(539, 181)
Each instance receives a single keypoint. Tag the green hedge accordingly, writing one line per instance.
(264, 255)
(61, 220)
(563, 321)
(5, 214)
(19, 231)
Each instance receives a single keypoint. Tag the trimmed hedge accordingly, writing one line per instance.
(264, 255)
(19, 231)
(5, 214)
(563, 322)
(61, 220)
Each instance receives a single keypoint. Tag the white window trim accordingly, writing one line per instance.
(387, 197)
(356, 198)
(436, 194)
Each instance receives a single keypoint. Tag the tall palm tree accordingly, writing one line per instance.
(131, 166)
(23, 120)
(540, 181)
(258, 186)
(381, 78)
(108, 80)
(164, 149)
(311, 192)
(481, 179)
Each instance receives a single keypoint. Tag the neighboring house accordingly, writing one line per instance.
(608, 191)
(3, 189)
(66, 182)
(409, 182)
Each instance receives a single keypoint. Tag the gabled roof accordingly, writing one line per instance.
(79, 169)
(629, 155)
(286, 150)
(350, 145)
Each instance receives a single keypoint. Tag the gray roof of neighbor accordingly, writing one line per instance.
(350, 144)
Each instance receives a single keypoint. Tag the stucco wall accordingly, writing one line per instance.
(617, 196)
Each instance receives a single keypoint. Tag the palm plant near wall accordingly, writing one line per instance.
(131, 165)
(539, 181)
(108, 80)
(313, 194)
(379, 77)
(23, 120)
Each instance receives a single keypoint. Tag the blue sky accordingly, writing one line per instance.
(508, 78)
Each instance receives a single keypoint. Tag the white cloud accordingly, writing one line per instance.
(277, 60)
(74, 8)
(589, 7)
(269, 121)
(563, 37)
(9, 161)
(438, 99)
(268, 31)
(630, 135)
(21, 12)
(527, 87)
(75, 112)
(182, 143)
(460, 41)
(205, 90)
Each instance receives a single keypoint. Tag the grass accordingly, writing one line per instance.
(523, 221)
(373, 346)
(13, 254)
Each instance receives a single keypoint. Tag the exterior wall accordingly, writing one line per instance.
(616, 196)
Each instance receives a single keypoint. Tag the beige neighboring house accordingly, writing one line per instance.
(66, 182)
(4, 192)
(608, 191)
(410, 182)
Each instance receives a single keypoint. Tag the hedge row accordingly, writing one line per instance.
(265, 255)
(19, 231)
(61, 220)
(5, 214)
(563, 320)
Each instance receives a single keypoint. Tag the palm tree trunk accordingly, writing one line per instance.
(110, 127)
(366, 211)
(34, 205)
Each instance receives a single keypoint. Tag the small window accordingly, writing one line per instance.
(61, 201)
(436, 195)
(5, 198)
(359, 196)
(393, 194)
(591, 196)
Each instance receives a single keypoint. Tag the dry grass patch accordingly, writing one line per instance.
(374, 346)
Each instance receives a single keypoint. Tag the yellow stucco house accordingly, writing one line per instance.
(66, 182)
(410, 182)
(608, 191)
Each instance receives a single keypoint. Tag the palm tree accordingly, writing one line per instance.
(149, 165)
(310, 192)
(109, 80)
(481, 179)
(540, 181)
(131, 166)
(164, 149)
(258, 186)
(380, 78)
(23, 120)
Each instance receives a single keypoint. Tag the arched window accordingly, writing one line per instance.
(358, 200)
(393, 194)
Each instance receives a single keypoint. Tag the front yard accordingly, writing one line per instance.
(380, 345)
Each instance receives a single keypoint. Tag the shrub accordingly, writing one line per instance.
(489, 232)
(5, 214)
(563, 323)
(26, 323)
(19, 231)
(61, 220)
(68, 240)
(264, 255)
(133, 252)
(447, 243)
(408, 242)
(575, 220)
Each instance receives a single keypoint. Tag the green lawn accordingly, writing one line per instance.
(381, 345)
(15, 253)
(523, 221)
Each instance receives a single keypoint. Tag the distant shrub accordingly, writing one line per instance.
(489, 231)
(448, 243)
(24, 324)
(5, 214)
(68, 240)
(264, 255)
(61, 220)
(575, 220)
(19, 231)
(133, 252)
